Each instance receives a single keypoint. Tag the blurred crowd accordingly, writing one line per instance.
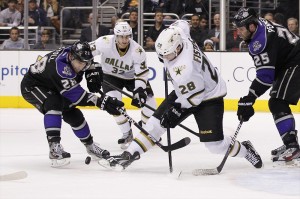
(44, 15)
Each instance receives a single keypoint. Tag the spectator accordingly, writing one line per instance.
(292, 24)
(214, 33)
(37, 16)
(129, 5)
(279, 18)
(196, 33)
(203, 23)
(168, 20)
(133, 23)
(113, 22)
(14, 42)
(269, 16)
(10, 16)
(174, 6)
(153, 5)
(45, 42)
(199, 7)
(52, 9)
(233, 40)
(86, 33)
(208, 45)
(155, 30)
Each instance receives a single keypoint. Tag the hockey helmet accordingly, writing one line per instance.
(168, 41)
(81, 51)
(244, 17)
(184, 25)
(122, 28)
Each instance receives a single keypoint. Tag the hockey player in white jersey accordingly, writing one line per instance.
(124, 65)
(198, 90)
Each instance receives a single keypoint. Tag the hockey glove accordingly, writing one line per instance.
(110, 104)
(245, 108)
(171, 116)
(94, 79)
(139, 97)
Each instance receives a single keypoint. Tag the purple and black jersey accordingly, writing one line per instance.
(273, 49)
(55, 72)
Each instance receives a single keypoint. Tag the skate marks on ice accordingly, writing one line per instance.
(19, 175)
(283, 181)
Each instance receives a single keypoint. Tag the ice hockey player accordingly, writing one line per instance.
(52, 86)
(198, 90)
(124, 65)
(276, 55)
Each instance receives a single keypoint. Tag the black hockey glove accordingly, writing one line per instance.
(139, 97)
(110, 104)
(245, 108)
(171, 116)
(94, 79)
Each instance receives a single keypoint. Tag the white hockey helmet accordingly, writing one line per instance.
(184, 25)
(168, 41)
(122, 28)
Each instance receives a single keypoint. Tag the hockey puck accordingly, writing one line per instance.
(88, 160)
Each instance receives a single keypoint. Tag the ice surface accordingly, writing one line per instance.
(23, 146)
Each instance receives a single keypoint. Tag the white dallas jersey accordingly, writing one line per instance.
(193, 76)
(131, 65)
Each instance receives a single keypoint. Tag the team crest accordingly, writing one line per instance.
(139, 50)
(67, 71)
(178, 69)
(256, 46)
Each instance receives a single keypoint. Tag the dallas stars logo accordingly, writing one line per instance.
(139, 50)
(178, 69)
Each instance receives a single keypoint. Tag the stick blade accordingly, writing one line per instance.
(14, 176)
(181, 143)
(205, 172)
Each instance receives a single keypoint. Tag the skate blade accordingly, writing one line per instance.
(290, 164)
(60, 163)
(106, 164)
(125, 146)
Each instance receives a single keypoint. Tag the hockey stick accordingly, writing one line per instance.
(146, 105)
(181, 143)
(14, 176)
(168, 128)
(219, 168)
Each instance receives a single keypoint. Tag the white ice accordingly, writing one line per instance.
(23, 147)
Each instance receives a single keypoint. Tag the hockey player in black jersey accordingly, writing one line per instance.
(52, 85)
(276, 55)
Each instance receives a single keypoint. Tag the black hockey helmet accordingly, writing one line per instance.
(245, 17)
(81, 51)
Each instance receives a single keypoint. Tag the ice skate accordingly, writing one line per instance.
(126, 140)
(96, 152)
(252, 156)
(119, 162)
(57, 155)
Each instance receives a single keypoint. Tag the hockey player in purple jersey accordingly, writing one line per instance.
(276, 55)
(52, 85)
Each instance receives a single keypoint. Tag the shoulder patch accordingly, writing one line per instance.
(259, 41)
(63, 68)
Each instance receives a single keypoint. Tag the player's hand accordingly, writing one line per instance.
(245, 108)
(110, 104)
(139, 97)
(170, 118)
(94, 78)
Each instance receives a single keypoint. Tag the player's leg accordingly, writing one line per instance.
(209, 118)
(49, 104)
(121, 120)
(286, 91)
(146, 113)
(80, 127)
